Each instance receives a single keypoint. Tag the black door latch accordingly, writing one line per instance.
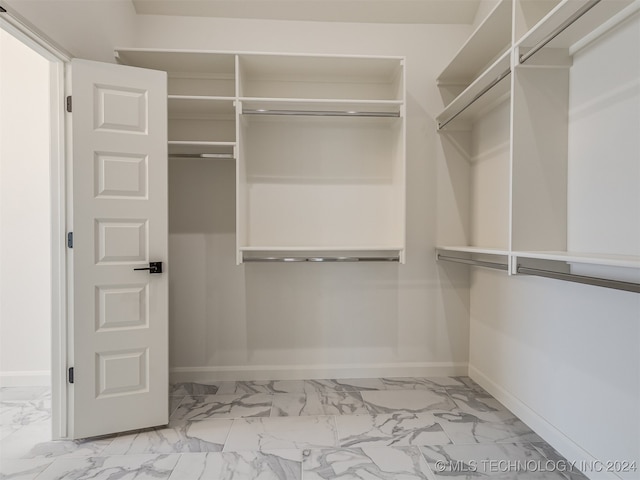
(154, 267)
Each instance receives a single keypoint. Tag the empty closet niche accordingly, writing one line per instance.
(576, 151)
(322, 165)
(205, 284)
(316, 183)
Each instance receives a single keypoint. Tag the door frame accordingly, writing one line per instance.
(60, 213)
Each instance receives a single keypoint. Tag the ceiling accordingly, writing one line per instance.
(354, 11)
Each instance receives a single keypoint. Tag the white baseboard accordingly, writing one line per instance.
(36, 378)
(302, 372)
(558, 440)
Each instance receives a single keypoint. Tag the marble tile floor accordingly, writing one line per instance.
(355, 429)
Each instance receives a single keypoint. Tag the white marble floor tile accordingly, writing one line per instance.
(436, 384)
(467, 383)
(483, 406)
(14, 412)
(247, 465)
(342, 403)
(174, 401)
(318, 403)
(495, 461)
(22, 393)
(296, 405)
(193, 388)
(6, 430)
(397, 430)
(551, 454)
(464, 428)
(406, 401)
(34, 441)
(120, 467)
(200, 436)
(222, 406)
(259, 386)
(370, 463)
(21, 469)
(343, 385)
(277, 433)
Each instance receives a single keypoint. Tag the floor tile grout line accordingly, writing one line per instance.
(337, 432)
(226, 439)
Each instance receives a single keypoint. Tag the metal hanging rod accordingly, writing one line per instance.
(475, 263)
(228, 156)
(500, 77)
(570, 277)
(321, 259)
(320, 113)
(561, 28)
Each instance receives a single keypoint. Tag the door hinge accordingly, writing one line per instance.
(71, 379)
(70, 239)
(69, 104)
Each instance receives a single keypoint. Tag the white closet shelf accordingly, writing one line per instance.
(320, 68)
(474, 250)
(489, 40)
(179, 147)
(488, 90)
(320, 254)
(179, 61)
(628, 261)
(200, 106)
(346, 107)
(591, 23)
(494, 258)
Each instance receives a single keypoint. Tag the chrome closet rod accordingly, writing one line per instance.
(561, 28)
(570, 277)
(474, 99)
(202, 155)
(320, 113)
(475, 263)
(321, 259)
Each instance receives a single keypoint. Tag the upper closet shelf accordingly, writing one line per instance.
(574, 23)
(487, 91)
(320, 77)
(179, 61)
(322, 107)
(489, 40)
(198, 106)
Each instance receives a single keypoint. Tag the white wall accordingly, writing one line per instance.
(25, 253)
(310, 320)
(565, 357)
(87, 29)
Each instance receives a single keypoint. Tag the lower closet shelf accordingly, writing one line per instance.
(475, 257)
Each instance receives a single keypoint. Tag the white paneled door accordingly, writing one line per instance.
(119, 351)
